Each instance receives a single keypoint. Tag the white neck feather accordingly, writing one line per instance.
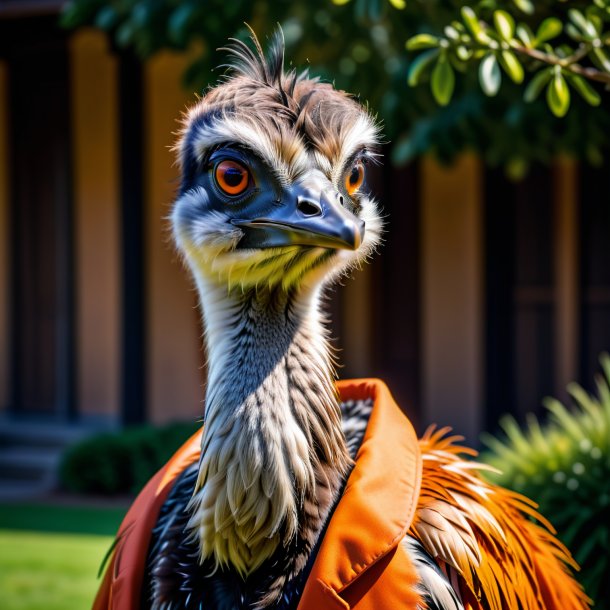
(273, 453)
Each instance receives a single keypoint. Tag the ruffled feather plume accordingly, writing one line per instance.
(491, 541)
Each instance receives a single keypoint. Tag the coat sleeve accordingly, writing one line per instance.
(122, 583)
(491, 542)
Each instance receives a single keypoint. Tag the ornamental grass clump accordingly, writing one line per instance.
(564, 465)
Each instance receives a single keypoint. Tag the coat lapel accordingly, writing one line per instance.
(371, 518)
(377, 506)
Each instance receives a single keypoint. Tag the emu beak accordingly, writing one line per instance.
(312, 216)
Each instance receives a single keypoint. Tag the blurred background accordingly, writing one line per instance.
(492, 289)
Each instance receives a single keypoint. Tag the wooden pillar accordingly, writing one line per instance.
(451, 295)
(173, 330)
(566, 272)
(356, 320)
(96, 223)
(4, 240)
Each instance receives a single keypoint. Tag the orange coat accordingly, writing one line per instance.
(360, 563)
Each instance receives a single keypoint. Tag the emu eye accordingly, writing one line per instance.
(231, 177)
(355, 178)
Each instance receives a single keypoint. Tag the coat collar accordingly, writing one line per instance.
(372, 516)
(378, 504)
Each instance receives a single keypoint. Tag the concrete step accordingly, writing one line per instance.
(30, 453)
(28, 462)
(51, 435)
(12, 491)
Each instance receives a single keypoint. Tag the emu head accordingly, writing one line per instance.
(273, 164)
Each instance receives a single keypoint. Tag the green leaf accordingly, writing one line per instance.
(442, 83)
(472, 22)
(516, 169)
(490, 76)
(602, 58)
(512, 66)
(550, 28)
(107, 18)
(375, 9)
(505, 25)
(419, 64)
(559, 412)
(421, 41)
(596, 21)
(525, 34)
(594, 155)
(586, 91)
(526, 6)
(457, 63)
(582, 23)
(536, 85)
(604, 361)
(451, 33)
(516, 436)
(179, 21)
(573, 32)
(463, 53)
(125, 34)
(584, 546)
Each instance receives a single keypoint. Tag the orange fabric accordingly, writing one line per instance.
(359, 564)
(120, 589)
(373, 515)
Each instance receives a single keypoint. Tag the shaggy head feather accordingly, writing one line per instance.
(292, 125)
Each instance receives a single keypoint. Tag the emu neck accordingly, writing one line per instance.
(273, 453)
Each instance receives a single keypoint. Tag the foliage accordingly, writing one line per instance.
(514, 48)
(360, 45)
(565, 467)
(121, 462)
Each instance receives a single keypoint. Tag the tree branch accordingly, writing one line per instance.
(566, 63)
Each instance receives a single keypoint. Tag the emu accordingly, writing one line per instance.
(300, 492)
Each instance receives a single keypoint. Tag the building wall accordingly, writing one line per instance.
(451, 295)
(174, 339)
(174, 379)
(567, 276)
(174, 357)
(4, 235)
(96, 223)
(451, 263)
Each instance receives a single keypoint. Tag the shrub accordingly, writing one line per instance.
(121, 462)
(564, 465)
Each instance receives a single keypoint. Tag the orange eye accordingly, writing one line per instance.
(231, 177)
(355, 178)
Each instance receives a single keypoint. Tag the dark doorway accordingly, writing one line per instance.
(41, 241)
(394, 290)
(520, 305)
(595, 270)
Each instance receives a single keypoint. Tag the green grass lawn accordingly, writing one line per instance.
(50, 555)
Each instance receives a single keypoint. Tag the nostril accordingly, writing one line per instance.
(341, 199)
(308, 208)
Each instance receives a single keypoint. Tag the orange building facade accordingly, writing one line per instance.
(487, 296)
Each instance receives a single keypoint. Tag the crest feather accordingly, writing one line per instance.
(253, 63)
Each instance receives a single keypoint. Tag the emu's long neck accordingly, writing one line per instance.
(273, 453)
